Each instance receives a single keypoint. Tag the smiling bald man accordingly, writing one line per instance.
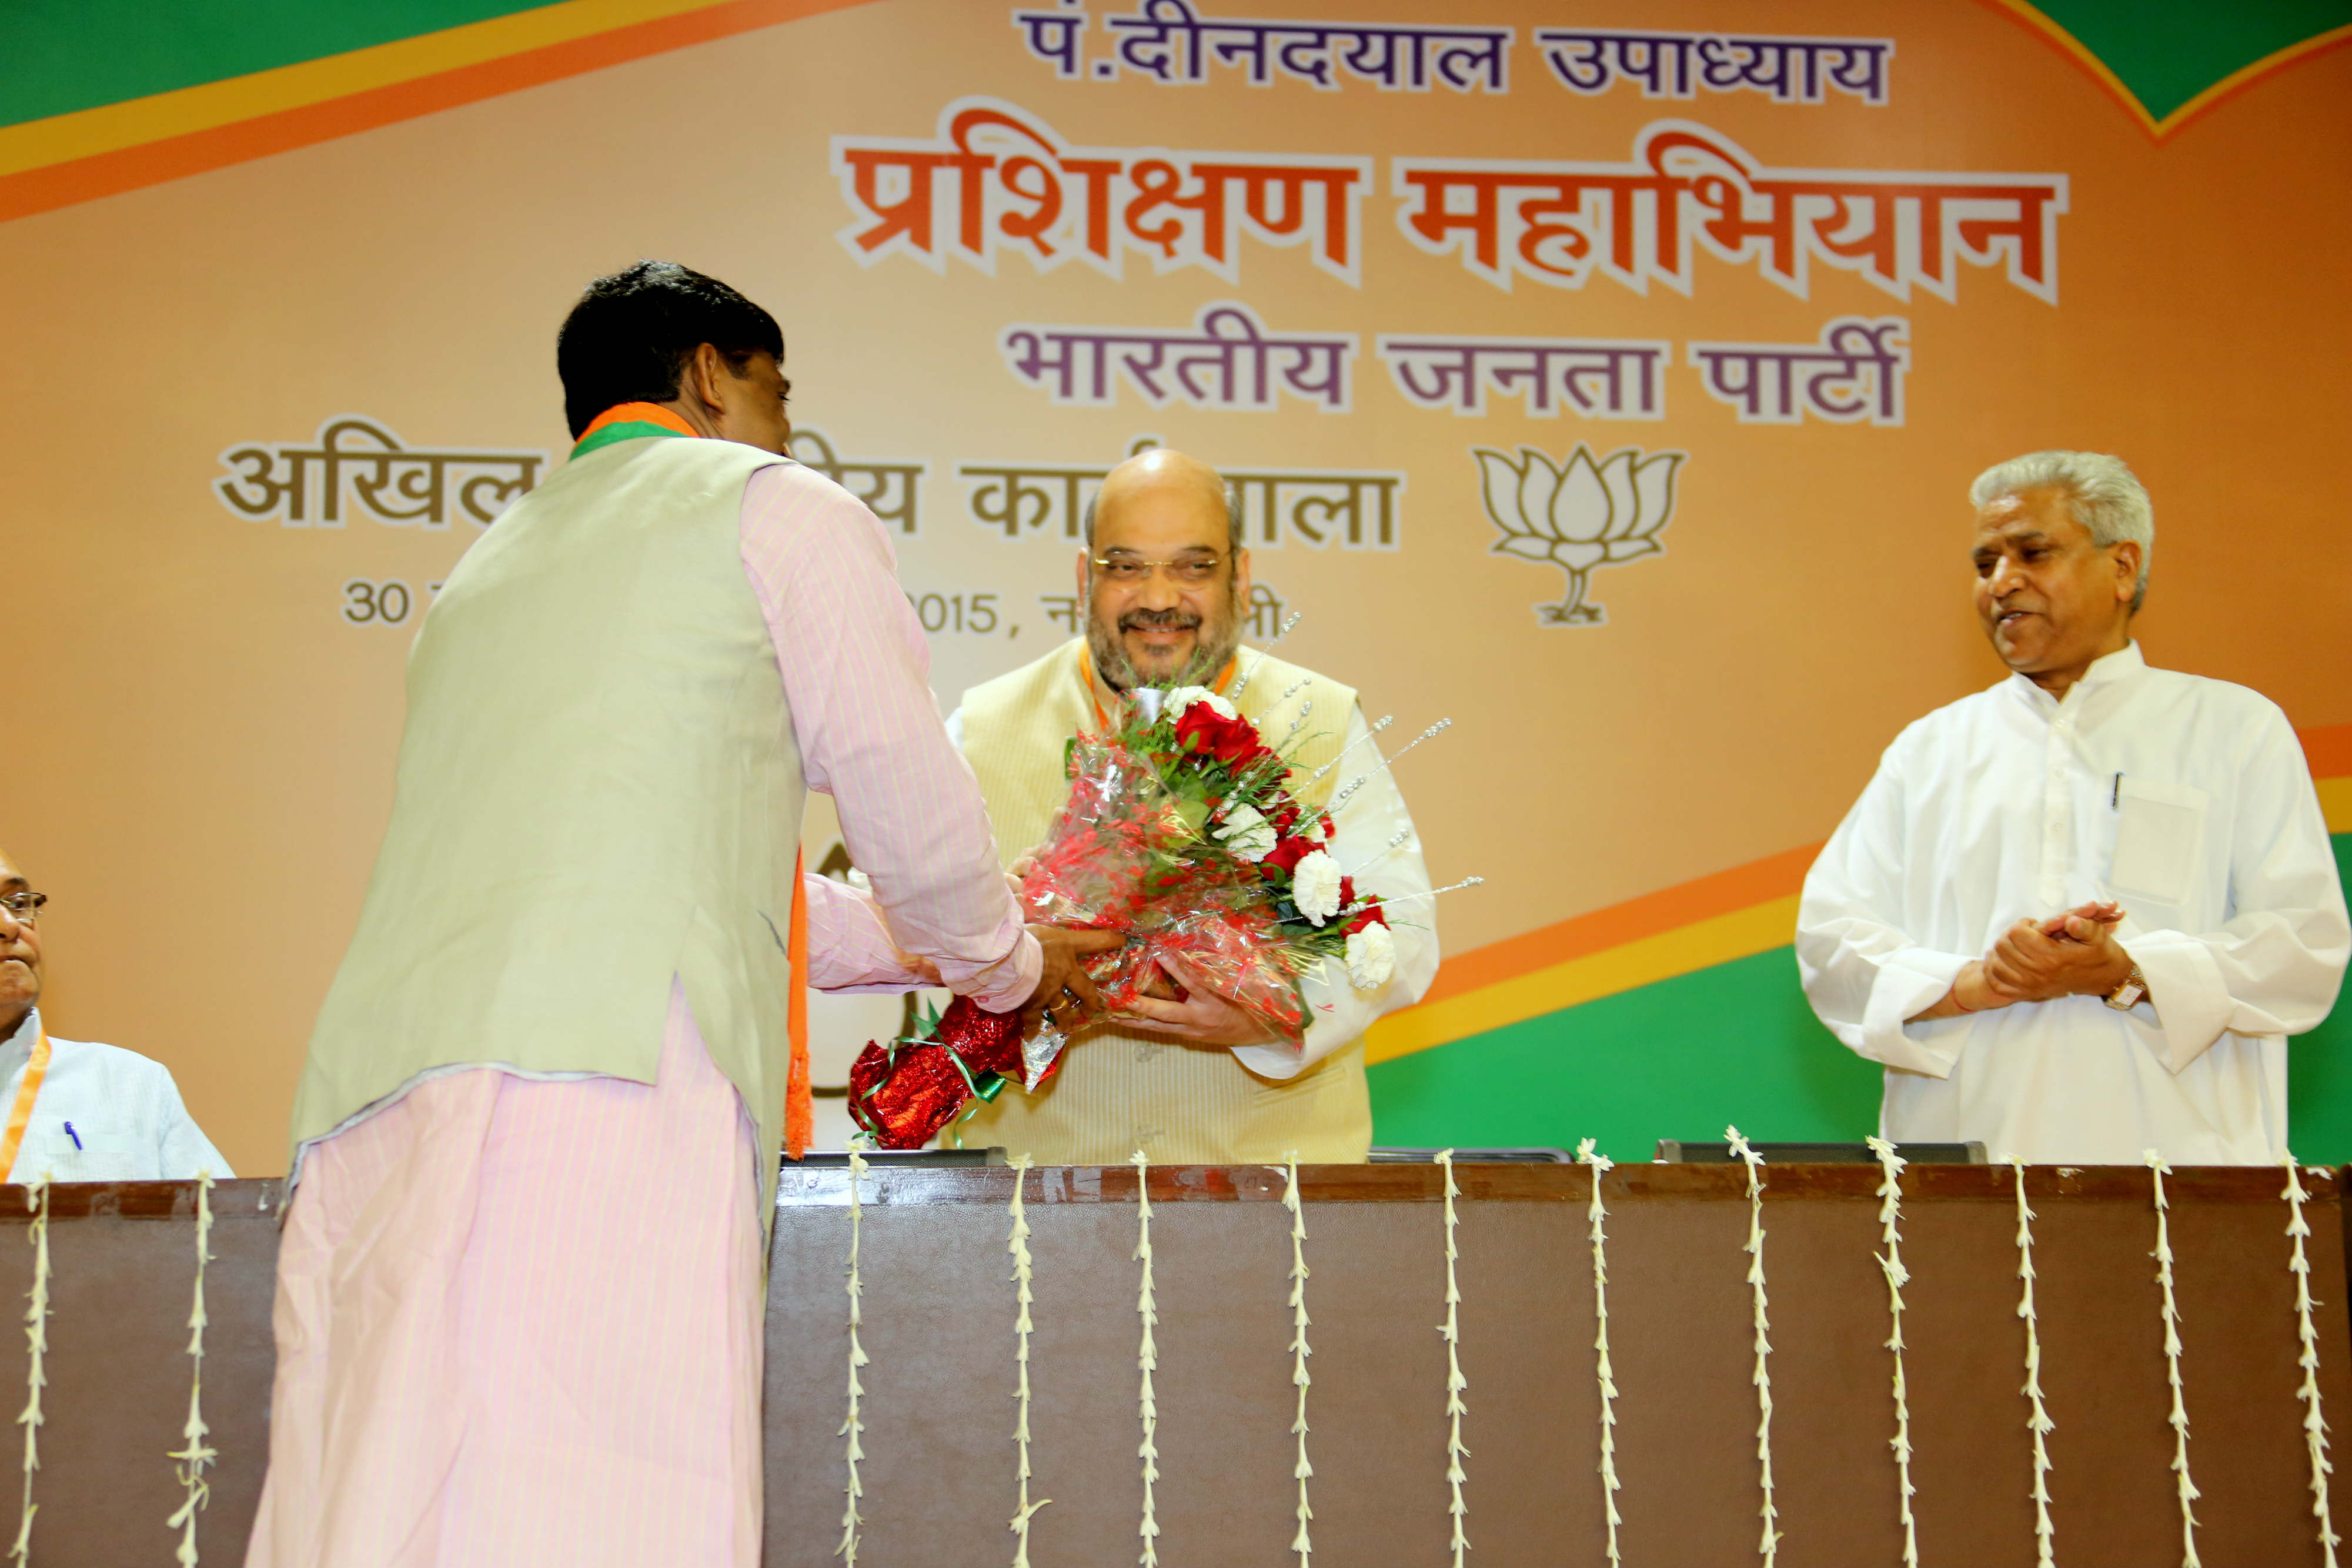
(92, 1112)
(1192, 1079)
(2077, 916)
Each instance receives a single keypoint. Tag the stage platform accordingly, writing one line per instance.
(939, 1407)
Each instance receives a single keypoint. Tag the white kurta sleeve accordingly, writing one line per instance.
(2275, 965)
(183, 1153)
(1337, 1010)
(1863, 974)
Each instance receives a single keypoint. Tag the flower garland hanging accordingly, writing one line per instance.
(852, 1428)
(1302, 1544)
(1769, 1542)
(2179, 1417)
(1455, 1382)
(1017, 1243)
(36, 1344)
(1147, 1362)
(197, 1453)
(1601, 1165)
(1890, 1263)
(2314, 1424)
(2038, 1422)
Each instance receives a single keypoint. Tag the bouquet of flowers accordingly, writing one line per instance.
(1184, 832)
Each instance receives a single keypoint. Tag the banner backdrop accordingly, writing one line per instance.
(1606, 381)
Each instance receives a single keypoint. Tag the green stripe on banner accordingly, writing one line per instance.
(2169, 51)
(2319, 1072)
(58, 55)
(1732, 1043)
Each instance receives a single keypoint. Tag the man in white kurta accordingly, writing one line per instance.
(2079, 924)
(90, 1111)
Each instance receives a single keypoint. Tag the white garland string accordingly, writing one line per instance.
(1769, 1542)
(1455, 1382)
(1601, 1165)
(1890, 1263)
(852, 1428)
(196, 1453)
(1017, 1243)
(1147, 1362)
(2314, 1424)
(2038, 1421)
(2179, 1417)
(36, 1344)
(1303, 1542)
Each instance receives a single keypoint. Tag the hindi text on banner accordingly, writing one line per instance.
(304, 486)
(1591, 60)
(1229, 360)
(1170, 43)
(996, 177)
(890, 490)
(1318, 508)
(1558, 222)
(1599, 378)
(1854, 373)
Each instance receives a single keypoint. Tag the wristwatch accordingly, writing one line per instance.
(2126, 996)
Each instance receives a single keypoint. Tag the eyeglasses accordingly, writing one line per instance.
(1192, 569)
(25, 908)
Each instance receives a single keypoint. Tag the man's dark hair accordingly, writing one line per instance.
(629, 337)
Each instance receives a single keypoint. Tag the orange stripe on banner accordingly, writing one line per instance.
(2330, 750)
(2034, 21)
(51, 186)
(1651, 914)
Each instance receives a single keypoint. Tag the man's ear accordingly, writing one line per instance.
(1085, 570)
(2128, 558)
(703, 368)
(1241, 579)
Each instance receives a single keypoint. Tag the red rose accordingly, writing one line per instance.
(1370, 914)
(1202, 731)
(1285, 856)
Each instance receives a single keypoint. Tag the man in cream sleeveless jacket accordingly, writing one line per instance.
(1162, 581)
(519, 1289)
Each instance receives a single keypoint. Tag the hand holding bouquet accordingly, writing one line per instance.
(1184, 832)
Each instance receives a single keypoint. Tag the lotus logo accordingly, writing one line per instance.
(1579, 516)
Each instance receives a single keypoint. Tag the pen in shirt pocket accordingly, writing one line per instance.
(2115, 800)
(74, 1136)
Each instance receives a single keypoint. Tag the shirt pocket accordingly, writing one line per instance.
(2159, 841)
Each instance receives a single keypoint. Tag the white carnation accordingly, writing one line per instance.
(1248, 834)
(1371, 957)
(1315, 886)
(1183, 697)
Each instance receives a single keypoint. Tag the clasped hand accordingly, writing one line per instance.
(1065, 994)
(1196, 1014)
(2073, 953)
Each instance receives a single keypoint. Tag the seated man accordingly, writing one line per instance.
(2077, 915)
(97, 1113)
(1198, 1080)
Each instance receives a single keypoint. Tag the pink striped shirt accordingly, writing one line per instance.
(857, 675)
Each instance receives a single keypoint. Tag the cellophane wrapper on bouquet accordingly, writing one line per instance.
(1129, 854)
(1181, 832)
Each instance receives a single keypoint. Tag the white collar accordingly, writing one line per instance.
(2108, 669)
(18, 1049)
